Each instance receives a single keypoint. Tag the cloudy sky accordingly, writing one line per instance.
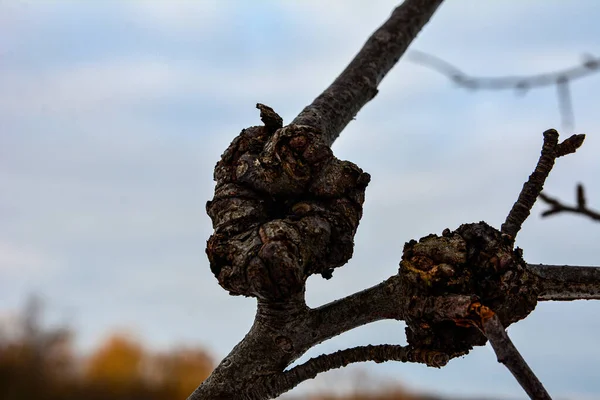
(113, 114)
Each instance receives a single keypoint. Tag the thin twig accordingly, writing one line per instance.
(508, 355)
(561, 79)
(357, 84)
(590, 66)
(565, 282)
(551, 149)
(379, 354)
(581, 208)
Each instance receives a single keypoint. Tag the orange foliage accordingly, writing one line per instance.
(118, 361)
(41, 364)
(182, 370)
(391, 394)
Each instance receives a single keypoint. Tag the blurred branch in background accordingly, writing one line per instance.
(556, 206)
(521, 84)
(41, 363)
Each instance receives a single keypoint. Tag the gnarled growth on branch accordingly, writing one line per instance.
(475, 262)
(284, 208)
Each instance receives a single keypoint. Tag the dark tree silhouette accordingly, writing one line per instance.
(286, 208)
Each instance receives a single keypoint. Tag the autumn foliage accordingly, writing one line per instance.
(41, 363)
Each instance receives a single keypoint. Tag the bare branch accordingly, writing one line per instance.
(590, 66)
(564, 282)
(382, 301)
(551, 149)
(357, 84)
(508, 355)
(569, 145)
(380, 353)
(561, 79)
(388, 300)
(581, 208)
(285, 208)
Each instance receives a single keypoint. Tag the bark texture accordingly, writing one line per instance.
(565, 282)
(286, 208)
(508, 355)
(551, 150)
(357, 84)
(476, 262)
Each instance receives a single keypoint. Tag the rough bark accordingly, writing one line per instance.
(477, 262)
(357, 84)
(508, 355)
(286, 208)
(564, 282)
(551, 150)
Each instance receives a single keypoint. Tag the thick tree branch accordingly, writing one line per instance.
(357, 84)
(564, 282)
(285, 209)
(551, 150)
(387, 300)
(581, 208)
(284, 331)
(342, 358)
(508, 355)
(382, 301)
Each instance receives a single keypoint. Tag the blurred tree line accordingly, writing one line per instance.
(41, 363)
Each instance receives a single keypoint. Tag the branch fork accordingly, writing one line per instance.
(285, 208)
(556, 206)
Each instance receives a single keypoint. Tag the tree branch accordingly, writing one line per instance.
(561, 79)
(590, 66)
(581, 208)
(285, 208)
(551, 150)
(382, 301)
(380, 353)
(284, 332)
(269, 169)
(387, 300)
(357, 84)
(564, 282)
(508, 355)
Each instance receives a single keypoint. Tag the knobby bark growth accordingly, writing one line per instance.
(286, 208)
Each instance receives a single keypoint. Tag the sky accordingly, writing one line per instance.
(114, 113)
